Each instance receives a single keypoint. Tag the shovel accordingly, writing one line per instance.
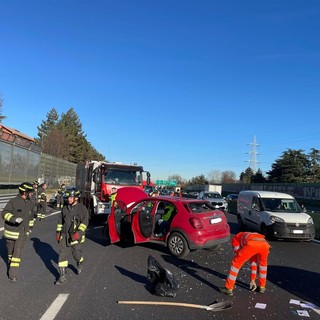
(216, 306)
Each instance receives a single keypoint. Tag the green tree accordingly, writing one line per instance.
(199, 180)
(292, 167)
(314, 169)
(47, 125)
(71, 126)
(246, 177)
(258, 177)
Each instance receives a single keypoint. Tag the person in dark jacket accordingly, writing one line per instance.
(70, 233)
(60, 199)
(34, 200)
(42, 201)
(17, 215)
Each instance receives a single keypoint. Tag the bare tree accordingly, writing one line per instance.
(215, 176)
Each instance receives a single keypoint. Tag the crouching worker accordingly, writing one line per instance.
(255, 248)
(70, 234)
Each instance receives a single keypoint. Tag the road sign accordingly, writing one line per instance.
(167, 183)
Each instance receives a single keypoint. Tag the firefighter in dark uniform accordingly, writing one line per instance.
(42, 201)
(17, 215)
(70, 234)
(34, 200)
(60, 193)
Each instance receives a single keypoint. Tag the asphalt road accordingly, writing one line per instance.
(112, 273)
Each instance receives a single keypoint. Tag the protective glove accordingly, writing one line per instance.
(58, 237)
(18, 220)
(253, 285)
(75, 236)
(160, 221)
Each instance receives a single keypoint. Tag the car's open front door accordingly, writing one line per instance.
(142, 217)
(116, 218)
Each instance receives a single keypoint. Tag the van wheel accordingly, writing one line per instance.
(263, 230)
(240, 223)
(177, 245)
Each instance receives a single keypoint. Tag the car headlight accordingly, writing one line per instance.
(310, 220)
(276, 219)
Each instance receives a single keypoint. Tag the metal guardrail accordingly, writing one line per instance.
(4, 199)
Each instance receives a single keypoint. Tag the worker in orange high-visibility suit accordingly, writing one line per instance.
(255, 248)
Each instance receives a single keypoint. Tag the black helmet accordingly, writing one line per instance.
(25, 187)
(35, 183)
(73, 193)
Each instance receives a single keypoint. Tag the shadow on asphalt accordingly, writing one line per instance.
(191, 268)
(3, 250)
(302, 283)
(47, 254)
(136, 277)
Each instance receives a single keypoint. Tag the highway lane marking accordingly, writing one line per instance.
(55, 307)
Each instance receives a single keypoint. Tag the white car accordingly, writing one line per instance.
(215, 198)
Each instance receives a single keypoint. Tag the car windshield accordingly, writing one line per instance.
(199, 207)
(212, 195)
(281, 205)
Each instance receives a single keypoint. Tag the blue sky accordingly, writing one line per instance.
(180, 86)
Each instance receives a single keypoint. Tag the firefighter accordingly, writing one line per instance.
(34, 200)
(60, 194)
(42, 201)
(17, 215)
(113, 195)
(70, 233)
(255, 248)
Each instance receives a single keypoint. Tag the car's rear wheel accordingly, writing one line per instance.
(177, 245)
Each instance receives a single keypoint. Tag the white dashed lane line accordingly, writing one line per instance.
(55, 307)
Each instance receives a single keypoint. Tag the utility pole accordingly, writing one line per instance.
(253, 155)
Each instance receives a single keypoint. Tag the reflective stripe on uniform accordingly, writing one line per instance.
(15, 262)
(231, 277)
(63, 264)
(59, 227)
(11, 234)
(8, 216)
(82, 227)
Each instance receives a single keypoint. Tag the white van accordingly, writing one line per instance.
(277, 215)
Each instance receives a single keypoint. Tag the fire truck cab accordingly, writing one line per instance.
(96, 178)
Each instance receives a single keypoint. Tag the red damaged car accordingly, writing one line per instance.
(193, 224)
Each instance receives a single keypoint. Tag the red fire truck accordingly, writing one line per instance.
(96, 178)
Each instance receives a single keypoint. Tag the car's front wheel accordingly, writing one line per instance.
(177, 245)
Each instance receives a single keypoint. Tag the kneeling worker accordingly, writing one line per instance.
(248, 246)
(72, 224)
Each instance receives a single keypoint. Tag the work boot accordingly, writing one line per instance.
(226, 291)
(12, 275)
(262, 289)
(79, 267)
(63, 277)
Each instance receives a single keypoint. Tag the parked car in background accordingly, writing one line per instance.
(232, 202)
(215, 198)
(194, 224)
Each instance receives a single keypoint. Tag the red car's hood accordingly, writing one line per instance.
(129, 195)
